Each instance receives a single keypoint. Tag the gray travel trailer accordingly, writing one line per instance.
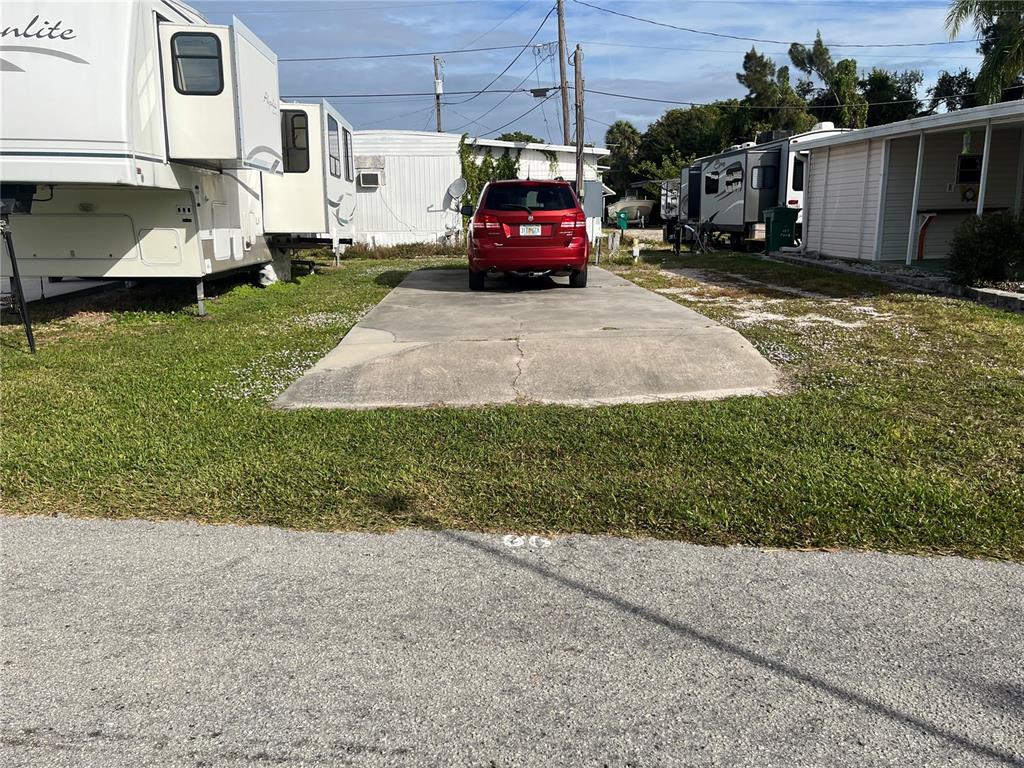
(737, 186)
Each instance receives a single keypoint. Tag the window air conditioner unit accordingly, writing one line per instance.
(369, 179)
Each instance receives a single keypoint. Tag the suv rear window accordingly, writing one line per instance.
(513, 197)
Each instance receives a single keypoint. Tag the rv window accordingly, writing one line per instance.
(350, 173)
(711, 184)
(764, 177)
(734, 177)
(798, 174)
(295, 140)
(197, 69)
(334, 146)
(968, 169)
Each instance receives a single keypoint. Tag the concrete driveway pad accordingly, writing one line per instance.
(432, 341)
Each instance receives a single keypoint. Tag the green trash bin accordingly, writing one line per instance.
(780, 228)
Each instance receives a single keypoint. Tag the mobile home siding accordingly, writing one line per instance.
(411, 205)
(417, 167)
(939, 192)
(841, 208)
(899, 197)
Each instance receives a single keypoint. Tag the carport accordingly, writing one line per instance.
(898, 192)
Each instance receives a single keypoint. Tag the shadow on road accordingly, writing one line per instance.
(738, 651)
(455, 281)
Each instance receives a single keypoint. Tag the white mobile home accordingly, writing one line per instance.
(404, 180)
(897, 192)
(402, 183)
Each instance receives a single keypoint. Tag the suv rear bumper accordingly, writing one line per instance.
(555, 259)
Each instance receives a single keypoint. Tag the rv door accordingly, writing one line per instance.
(199, 92)
(221, 99)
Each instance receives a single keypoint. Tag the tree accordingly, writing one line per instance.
(891, 96)
(953, 91)
(520, 136)
(623, 139)
(839, 99)
(1000, 25)
(695, 131)
(778, 104)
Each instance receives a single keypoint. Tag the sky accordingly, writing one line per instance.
(620, 55)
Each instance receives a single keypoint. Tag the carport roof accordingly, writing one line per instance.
(1006, 112)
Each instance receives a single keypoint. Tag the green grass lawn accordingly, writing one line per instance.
(904, 428)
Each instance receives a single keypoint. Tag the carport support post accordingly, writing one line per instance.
(912, 235)
(983, 182)
(201, 298)
(1019, 197)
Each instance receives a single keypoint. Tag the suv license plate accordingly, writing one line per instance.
(529, 230)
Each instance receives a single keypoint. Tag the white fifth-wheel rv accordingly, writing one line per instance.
(150, 137)
(314, 201)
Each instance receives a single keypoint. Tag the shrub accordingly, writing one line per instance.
(988, 248)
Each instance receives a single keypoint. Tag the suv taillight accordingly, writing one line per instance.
(486, 225)
(573, 222)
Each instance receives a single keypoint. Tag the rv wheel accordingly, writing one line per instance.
(266, 276)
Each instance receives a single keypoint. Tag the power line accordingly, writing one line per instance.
(485, 34)
(470, 120)
(518, 87)
(762, 39)
(404, 55)
(885, 56)
(382, 95)
(543, 111)
(401, 115)
(343, 9)
(514, 60)
(517, 119)
(726, 105)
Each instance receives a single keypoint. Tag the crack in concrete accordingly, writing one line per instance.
(519, 362)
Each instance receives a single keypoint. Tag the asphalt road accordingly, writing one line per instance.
(432, 341)
(142, 644)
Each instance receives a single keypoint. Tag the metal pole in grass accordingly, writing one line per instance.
(8, 202)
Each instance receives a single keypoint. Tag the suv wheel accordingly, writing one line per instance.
(578, 279)
(476, 280)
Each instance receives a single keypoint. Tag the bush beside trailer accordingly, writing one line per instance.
(149, 135)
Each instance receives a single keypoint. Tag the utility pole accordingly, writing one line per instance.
(577, 62)
(562, 70)
(438, 90)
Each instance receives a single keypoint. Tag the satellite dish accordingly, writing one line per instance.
(458, 188)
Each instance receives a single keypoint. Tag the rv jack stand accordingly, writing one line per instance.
(201, 298)
(17, 292)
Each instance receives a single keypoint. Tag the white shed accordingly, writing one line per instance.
(897, 192)
(403, 177)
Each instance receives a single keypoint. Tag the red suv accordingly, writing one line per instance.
(529, 228)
